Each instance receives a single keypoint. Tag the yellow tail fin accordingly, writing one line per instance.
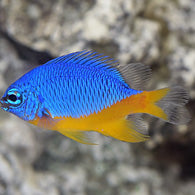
(152, 97)
(168, 104)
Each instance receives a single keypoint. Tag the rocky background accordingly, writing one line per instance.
(160, 33)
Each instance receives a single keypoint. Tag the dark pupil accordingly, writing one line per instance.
(12, 97)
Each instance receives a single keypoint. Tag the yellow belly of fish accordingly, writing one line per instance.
(95, 121)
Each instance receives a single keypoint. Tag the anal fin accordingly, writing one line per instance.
(124, 130)
(79, 136)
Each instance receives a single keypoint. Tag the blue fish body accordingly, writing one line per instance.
(74, 85)
(86, 91)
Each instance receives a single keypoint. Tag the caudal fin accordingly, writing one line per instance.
(169, 104)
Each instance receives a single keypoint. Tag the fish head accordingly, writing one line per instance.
(20, 101)
(11, 99)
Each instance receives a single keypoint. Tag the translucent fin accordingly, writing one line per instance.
(136, 75)
(176, 114)
(176, 95)
(138, 122)
(79, 136)
(173, 105)
(124, 130)
(168, 104)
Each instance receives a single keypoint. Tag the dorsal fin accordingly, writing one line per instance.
(136, 75)
(87, 58)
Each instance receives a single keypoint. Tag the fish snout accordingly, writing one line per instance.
(1, 102)
(3, 105)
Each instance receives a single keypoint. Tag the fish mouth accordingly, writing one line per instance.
(3, 105)
(1, 102)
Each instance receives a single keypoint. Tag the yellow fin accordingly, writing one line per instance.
(168, 104)
(151, 99)
(156, 111)
(123, 130)
(79, 136)
(158, 94)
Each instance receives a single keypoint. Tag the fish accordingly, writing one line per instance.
(86, 91)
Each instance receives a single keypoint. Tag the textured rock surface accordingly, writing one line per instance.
(160, 33)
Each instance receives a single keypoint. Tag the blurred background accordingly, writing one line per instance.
(159, 33)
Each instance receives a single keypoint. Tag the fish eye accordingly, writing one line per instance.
(14, 98)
